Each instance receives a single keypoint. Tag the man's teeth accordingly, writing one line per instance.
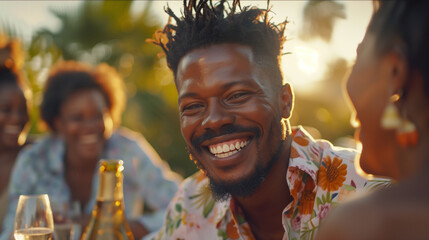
(224, 150)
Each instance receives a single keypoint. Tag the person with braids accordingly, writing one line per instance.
(15, 96)
(260, 178)
(82, 106)
(389, 89)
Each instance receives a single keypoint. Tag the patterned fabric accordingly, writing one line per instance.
(319, 177)
(40, 169)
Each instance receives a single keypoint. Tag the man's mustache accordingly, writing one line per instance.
(227, 129)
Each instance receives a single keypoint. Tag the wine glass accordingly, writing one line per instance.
(33, 218)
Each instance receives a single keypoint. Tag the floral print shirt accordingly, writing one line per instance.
(319, 177)
(40, 169)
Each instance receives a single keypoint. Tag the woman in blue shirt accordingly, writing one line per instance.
(82, 107)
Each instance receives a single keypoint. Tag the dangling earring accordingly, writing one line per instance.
(390, 118)
(406, 132)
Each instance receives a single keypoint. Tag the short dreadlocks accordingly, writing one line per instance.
(204, 24)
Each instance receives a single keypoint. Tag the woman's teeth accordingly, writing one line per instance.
(12, 129)
(87, 139)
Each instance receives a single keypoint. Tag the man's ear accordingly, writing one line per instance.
(286, 101)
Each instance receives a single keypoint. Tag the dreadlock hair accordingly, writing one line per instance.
(403, 26)
(204, 24)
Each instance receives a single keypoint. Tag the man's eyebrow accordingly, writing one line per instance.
(245, 81)
(225, 86)
(189, 94)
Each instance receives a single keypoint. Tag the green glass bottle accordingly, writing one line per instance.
(108, 221)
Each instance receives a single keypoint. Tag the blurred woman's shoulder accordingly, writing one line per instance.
(384, 214)
(124, 134)
(38, 143)
(133, 142)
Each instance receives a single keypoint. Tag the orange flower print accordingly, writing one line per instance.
(293, 152)
(232, 231)
(306, 202)
(297, 187)
(332, 174)
(294, 131)
(301, 141)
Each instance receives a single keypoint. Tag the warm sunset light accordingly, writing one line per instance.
(359, 170)
(307, 59)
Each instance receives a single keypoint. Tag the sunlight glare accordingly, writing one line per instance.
(307, 59)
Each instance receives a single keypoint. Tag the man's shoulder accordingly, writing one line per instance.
(305, 146)
(193, 212)
(347, 155)
(194, 184)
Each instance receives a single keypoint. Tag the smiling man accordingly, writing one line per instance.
(260, 178)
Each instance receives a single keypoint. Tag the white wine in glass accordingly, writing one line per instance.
(33, 218)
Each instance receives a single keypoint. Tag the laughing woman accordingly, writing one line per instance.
(389, 88)
(82, 107)
(14, 96)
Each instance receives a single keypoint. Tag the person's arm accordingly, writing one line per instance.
(149, 179)
(22, 178)
(158, 184)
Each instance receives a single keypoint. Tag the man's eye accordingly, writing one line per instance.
(192, 107)
(238, 96)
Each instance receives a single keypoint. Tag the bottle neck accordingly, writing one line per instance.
(110, 186)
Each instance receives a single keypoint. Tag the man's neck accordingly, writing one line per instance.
(263, 209)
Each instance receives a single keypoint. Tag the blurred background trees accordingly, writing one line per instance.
(108, 31)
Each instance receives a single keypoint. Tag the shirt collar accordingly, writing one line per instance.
(304, 158)
(305, 153)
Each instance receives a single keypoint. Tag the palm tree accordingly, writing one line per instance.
(107, 31)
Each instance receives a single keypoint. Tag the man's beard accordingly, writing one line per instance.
(243, 187)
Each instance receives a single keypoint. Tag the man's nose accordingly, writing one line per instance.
(217, 116)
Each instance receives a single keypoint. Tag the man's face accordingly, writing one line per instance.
(231, 115)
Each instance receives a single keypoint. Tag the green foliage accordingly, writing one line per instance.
(108, 31)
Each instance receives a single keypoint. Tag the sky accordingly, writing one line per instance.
(307, 63)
